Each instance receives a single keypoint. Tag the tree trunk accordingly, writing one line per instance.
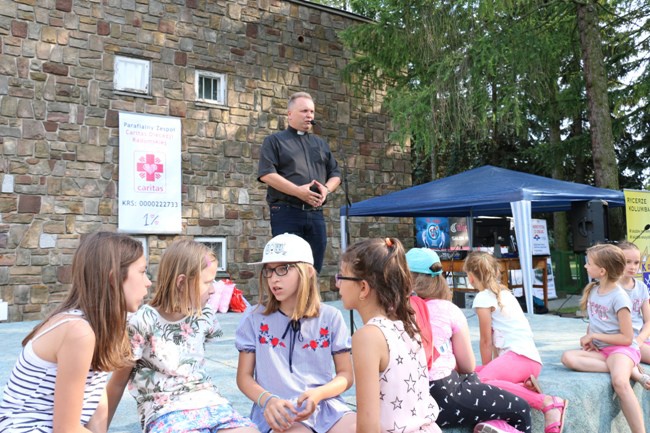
(600, 123)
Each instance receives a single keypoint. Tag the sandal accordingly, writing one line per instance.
(561, 405)
(532, 384)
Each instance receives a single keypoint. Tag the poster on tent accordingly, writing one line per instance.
(637, 215)
(442, 233)
(539, 237)
(150, 174)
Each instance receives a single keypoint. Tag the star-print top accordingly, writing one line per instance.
(405, 403)
(169, 373)
(292, 357)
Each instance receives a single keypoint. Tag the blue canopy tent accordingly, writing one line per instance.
(485, 191)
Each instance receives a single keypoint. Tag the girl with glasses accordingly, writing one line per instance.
(288, 344)
(390, 364)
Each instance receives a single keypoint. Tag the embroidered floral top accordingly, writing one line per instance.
(292, 357)
(169, 374)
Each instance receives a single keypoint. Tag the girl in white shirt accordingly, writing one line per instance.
(508, 352)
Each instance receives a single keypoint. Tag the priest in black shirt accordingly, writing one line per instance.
(300, 172)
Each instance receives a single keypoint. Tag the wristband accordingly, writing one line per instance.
(262, 395)
(269, 399)
(328, 190)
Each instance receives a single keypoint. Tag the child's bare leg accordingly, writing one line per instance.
(240, 430)
(620, 369)
(347, 423)
(297, 428)
(645, 352)
(582, 360)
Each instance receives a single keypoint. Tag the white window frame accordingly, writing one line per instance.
(215, 76)
(145, 246)
(219, 246)
(132, 75)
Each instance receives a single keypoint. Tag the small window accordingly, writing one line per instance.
(145, 246)
(218, 245)
(131, 75)
(210, 87)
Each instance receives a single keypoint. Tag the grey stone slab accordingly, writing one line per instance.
(592, 408)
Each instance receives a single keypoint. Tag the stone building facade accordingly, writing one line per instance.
(59, 126)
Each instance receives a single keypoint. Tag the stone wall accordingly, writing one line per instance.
(59, 129)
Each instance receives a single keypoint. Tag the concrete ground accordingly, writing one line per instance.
(593, 407)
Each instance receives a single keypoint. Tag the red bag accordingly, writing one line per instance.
(237, 302)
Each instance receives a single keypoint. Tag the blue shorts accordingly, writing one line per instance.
(205, 420)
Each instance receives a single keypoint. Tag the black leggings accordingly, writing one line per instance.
(464, 400)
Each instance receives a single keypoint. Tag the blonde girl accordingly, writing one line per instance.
(638, 293)
(60, 377)
(609, 345)
(173, 392)
(508, 353)
(289, 344)
(390, 364)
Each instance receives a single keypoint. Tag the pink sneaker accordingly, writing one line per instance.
(495, 426)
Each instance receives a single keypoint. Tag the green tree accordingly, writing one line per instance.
(472, 82)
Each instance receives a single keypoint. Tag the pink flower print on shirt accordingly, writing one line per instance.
(137, 341)
(160, 399)
(266, 338)
(152, 343)
(323, 341)
(186, 330)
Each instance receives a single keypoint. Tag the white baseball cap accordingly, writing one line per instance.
(287, 248)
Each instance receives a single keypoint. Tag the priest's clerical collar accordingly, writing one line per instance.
(291, 128)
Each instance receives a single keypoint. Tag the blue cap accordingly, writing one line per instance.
(420, 261)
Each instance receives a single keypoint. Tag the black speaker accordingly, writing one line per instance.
(589, 223)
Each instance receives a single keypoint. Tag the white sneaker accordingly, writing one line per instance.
(495, 426)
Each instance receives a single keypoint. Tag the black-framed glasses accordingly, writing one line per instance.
(340, 277)
(280, 271)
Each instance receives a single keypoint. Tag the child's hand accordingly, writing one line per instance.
(279, 414)
(307, 402)
(586, 343)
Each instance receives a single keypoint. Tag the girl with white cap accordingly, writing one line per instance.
(287, 345)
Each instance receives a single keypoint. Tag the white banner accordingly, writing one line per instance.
(150, 174)
(540, 238)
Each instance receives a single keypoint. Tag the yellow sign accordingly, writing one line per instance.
(637, 213)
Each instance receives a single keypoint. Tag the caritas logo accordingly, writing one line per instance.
(150, 173)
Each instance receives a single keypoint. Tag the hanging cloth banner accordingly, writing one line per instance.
(150, 174)
(637, 215)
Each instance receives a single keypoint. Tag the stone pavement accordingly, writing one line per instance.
(592, 407)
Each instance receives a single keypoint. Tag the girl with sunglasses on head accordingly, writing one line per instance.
(288, 344)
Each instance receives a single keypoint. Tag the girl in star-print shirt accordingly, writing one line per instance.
(290, 345)
(390, 364)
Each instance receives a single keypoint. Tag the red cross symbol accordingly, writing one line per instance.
(150, 167)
